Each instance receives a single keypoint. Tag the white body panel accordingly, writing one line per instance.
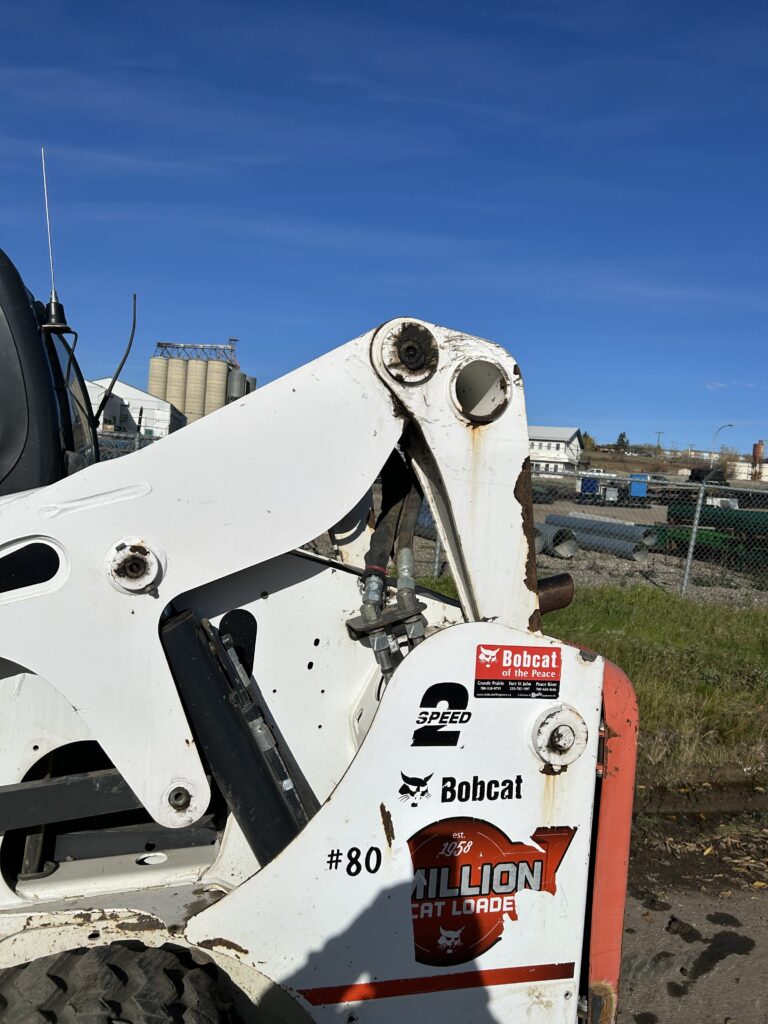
(311, 928)
(222, 506)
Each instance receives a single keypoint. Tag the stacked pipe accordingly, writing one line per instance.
(555, 540)
(626, 540)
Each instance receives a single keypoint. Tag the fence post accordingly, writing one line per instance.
(692, 541)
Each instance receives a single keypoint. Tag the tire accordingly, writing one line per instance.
(123, 983)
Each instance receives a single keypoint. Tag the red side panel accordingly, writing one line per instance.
(611, 858)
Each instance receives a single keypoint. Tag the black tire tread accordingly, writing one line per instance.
(120, 982)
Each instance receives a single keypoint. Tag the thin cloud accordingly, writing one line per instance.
(718, 385)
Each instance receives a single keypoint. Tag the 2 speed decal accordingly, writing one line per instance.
(432, 720)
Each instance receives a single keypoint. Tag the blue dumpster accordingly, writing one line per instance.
(638, 485)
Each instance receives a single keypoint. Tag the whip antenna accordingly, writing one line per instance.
(54, 297)
(55, 317)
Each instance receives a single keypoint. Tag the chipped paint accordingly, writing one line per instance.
(389, 828)
(602, 1003)
(221, 943)
(524, 497)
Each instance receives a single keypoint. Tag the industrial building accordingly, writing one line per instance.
(197, 379)
(555, 449)
(132, 411)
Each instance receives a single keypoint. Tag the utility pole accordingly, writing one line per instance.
(658, 442)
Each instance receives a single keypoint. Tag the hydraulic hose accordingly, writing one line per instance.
(395, 488)
(408, 516)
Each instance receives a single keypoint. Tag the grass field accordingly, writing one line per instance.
(700, 671)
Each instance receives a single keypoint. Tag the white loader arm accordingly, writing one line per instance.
(250, 482)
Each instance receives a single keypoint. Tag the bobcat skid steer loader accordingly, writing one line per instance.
(241, 781)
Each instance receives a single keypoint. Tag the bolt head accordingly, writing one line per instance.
(409, 351)
(179, 798)
(562, 738)
(133, 567)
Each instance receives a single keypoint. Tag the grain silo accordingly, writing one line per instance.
(194, 406)
(236, 385)
(176, 392)
(158, 376)
(216, 385)
(250, 383)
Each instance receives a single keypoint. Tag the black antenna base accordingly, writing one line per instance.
(55, 317)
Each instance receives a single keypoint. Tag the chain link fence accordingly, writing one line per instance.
(113, 444)
(708, 541)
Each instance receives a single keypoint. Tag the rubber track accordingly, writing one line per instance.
(107, 984)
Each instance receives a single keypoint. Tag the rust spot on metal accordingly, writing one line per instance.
(223, 944)
(389, 828)
(524, 495)
(552, 769)
(141, 923)
(602, 1003)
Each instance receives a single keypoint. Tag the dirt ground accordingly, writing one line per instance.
(696, 928)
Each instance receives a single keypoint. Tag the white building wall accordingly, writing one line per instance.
(745, 470)
(158, 418)
(554, 450)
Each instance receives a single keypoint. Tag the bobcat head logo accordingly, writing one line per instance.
(450, 941)
(414, 789)
(488, 655)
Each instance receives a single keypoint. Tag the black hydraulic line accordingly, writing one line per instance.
(409, 515)
(395, 486)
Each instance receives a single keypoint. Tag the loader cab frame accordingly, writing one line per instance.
(47, 428)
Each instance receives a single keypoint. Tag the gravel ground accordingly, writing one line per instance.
(696, 926)
(709, 584)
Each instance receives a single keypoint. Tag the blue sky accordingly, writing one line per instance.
(584, 183)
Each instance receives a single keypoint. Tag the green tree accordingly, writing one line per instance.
(589, 441)
(622, 442)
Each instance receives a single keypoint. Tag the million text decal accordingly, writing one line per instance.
(466, 873)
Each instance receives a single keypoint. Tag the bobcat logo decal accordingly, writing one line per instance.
(449, 941)
(414, 788)
(487, 655)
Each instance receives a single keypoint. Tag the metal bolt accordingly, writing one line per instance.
(414, 346)
(133, 567)
(179, 798)
(409, 351)
(412, 354)
(562, 738)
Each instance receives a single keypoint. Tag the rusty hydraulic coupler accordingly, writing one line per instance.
(555, 592)
(415, 624)
(384, 647)
(381, 626)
